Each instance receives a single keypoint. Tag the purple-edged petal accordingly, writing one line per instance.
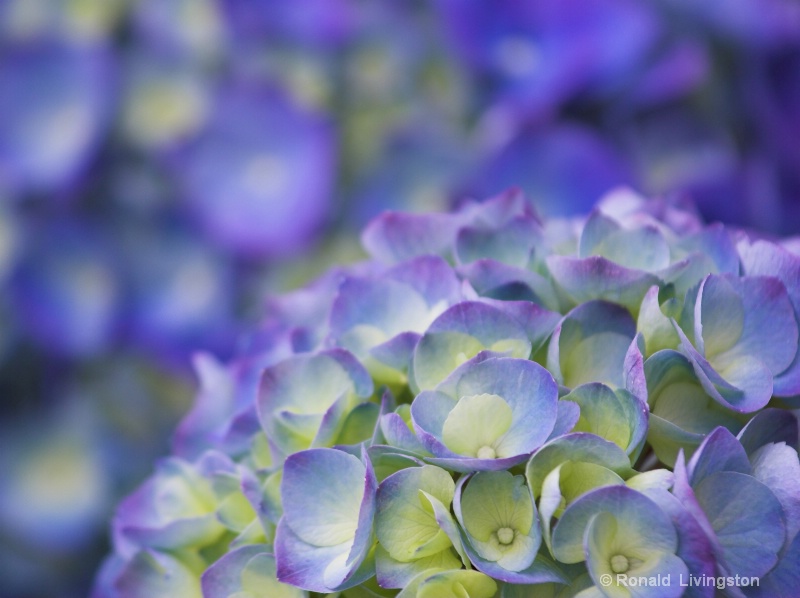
(590, 345)
(174, 509)
(770, 425)
(685, 494)
(714, 241)
(405, 520)
(430, 276)
(763, 258)
(777, 467)
(599, 278)
(694, 547)
(497, 513)
(391, 573)
(720, 451)
(304, 399)
(542, 570)
(633, 369)
(655, 327)
(405, 298)
(577, 447)
(383, 308)
(639, 521)
(313, 568)
(500, 281)
(745, 318)
(745, 333)
(537, 321)
(488, 412)
(460, 333)
(784, 579)
(323, 541)
(528, 389)
(749, 390)
(398, 434)
(510, 244)
(394, 237)
(748, 522)
(568, 415)
(681, 411)
(398, 352)
(618, 416)
(321, 492)
(641, 248)
(709, 251)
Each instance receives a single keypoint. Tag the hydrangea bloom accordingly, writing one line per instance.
(496, 405)
(198, 143)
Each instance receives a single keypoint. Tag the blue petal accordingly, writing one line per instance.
(747, 521)
(720, 451)
(770, 425)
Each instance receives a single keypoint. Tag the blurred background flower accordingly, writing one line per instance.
(164, 164)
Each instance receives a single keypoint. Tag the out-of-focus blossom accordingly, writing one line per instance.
(543, 164)
(242, 175)
(67, 290)
(527, 53)
(55, 105)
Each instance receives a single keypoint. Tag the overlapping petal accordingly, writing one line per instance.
(324, 539)
(744, 333)
(491, 413)
(305, 399)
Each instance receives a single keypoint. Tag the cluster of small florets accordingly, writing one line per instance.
(495, 405)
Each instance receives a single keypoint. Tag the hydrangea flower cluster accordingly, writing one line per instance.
(496, 405)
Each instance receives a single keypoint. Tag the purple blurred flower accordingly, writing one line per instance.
(54, 109)
(67, 290)
(259, 177)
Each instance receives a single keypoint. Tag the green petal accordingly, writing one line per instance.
(656, 328)
(493, 500)
(577, 478)
(601, 538)
(450, 584)
(616, 416)
(438, 355)
(295, 432)
(405, 523)
(259, 580)
(657, 478)
(359, 425)
(475, 422)
(596, 358)
(448, 524)
(392, 573)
